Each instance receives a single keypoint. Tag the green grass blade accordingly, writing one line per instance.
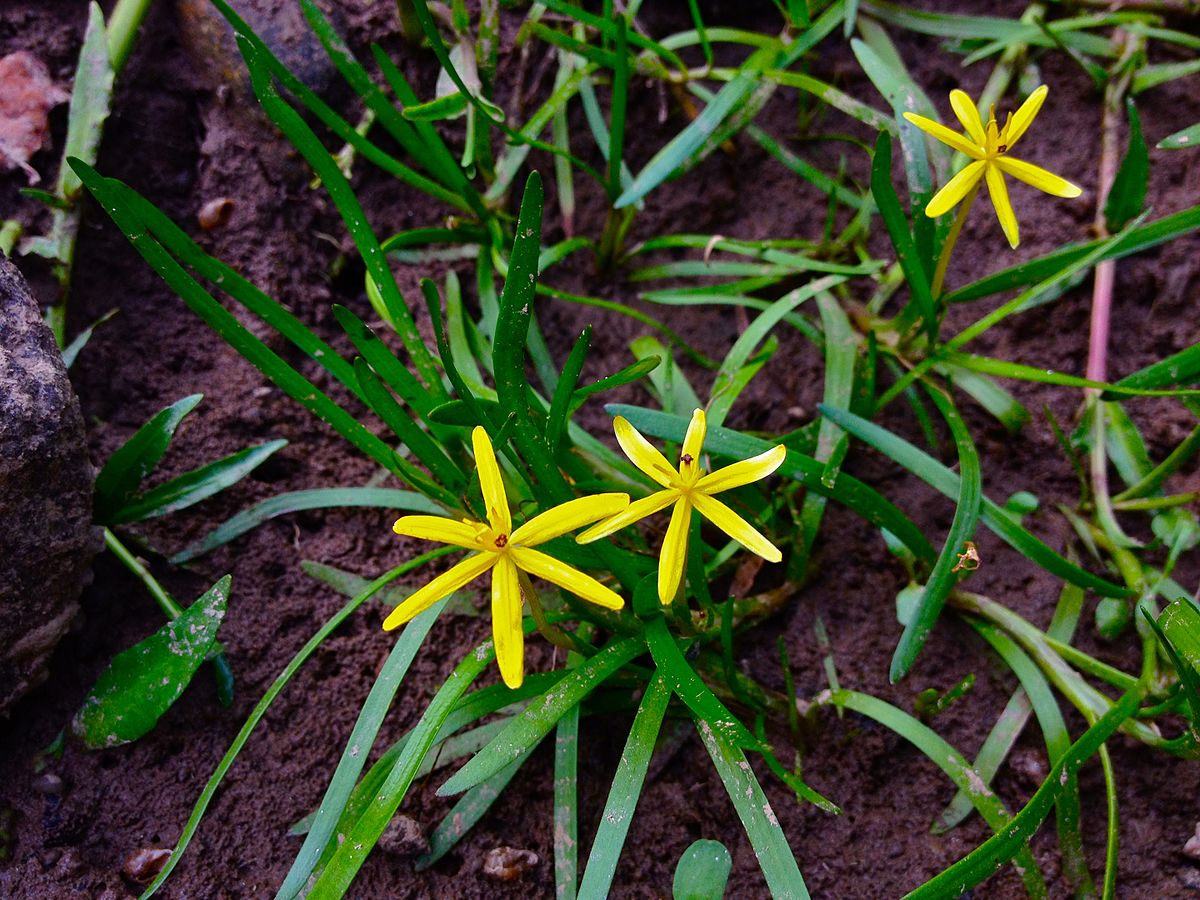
(992, 515)
(1183, 139)
(130, 463)
(260, 709)
(1178, 368)
(754, 810)
(566, 805)
(466, 813)
(358, 747)
(952, 763)
(1003, 846)
(1020, 372)
(339, 873)
(536, 721)
(297, 501)
(898, 231)
(625, 791)
(325, 166)
(943, 577)
(1142, 237)
(1127, 195)
(691, 689)
(196, 485)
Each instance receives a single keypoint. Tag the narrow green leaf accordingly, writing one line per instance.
(141, 683)
(1127, 195)
(297, 501)
(130, 463)
(993, 516)
(898, 231)
(754, 810)
(1008, 842)
(196, 485)
(1178, 368)
(625, 791)
(690, 688)
(536, 721)
(943, 577)
(339, 873)
(566, 805)
(1183, 139)
(358, 747)
(556, 420)
(1178, 628)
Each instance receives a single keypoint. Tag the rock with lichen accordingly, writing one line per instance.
(47, 539)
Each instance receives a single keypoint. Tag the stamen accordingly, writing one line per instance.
(686, 459)
(501, 540)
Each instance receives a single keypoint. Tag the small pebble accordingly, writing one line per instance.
(403, 837)
(48, 784)
(142, 865)
(508, 863)
(1192, 847)
(215, 213)
(70, 863)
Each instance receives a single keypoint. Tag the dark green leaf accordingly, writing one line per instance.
(142, 682)
(196, 485)
(1127, 195)
(702, 872)
(129, 465)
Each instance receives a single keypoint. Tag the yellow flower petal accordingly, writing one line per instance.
(535, 562)
(945, 135)
(634, 512)
(494, 498)
(693, 443)
(1038, 177)
(1023, 117)
(506, 622)
(673, 556)
(998, 191)
(567, 517)
(643, 454)
(968, 114)
(955, 189)
(437, 528)
(736, 527)
(744, 472)
(450, 580)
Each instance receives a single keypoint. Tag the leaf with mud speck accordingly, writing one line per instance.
(142, 683)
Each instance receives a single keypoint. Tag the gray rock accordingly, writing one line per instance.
(47, 539)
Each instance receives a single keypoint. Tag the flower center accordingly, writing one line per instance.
(501, 541)
(686, 459)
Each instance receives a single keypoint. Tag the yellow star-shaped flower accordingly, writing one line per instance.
(688, 488)
(505, 551)
(988, 146)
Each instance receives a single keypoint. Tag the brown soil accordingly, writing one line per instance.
(182, 142)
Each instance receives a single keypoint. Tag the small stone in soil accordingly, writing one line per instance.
(1192, 847)
(508, 863)
(215, 213)
(49, 784)
(142, 865)
(403, 837)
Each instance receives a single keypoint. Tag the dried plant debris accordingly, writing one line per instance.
(27, 94)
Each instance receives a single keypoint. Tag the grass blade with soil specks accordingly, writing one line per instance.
(358, 747)
(950, 761)
(537, 720)
(1003, 846)
(625, 790)
(566, 805)
(993, 516)
(339, 873)
(770, 844)
(962, 529)
(260, 709)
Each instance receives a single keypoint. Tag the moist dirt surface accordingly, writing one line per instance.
(184, 133)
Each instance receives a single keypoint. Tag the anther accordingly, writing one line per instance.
(501, 540)
(686, 458)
